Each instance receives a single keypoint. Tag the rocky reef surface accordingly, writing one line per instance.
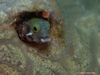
(69, 51)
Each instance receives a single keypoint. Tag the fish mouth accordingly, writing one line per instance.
(43, 40)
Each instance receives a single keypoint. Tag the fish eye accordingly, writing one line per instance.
(36, 28)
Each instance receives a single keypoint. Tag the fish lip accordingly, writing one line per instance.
(43, 40)
(29, 34)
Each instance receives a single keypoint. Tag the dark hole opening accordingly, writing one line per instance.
(25, 16)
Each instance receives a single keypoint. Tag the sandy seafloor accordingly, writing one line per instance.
(75, 33)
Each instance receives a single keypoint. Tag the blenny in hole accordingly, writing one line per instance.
(35, 30)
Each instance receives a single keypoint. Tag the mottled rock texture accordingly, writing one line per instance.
(67, 54)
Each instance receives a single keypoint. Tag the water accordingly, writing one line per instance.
(83, 16)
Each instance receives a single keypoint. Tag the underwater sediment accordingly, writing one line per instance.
(67, 53)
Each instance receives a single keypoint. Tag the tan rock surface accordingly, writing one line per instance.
(67, 54)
